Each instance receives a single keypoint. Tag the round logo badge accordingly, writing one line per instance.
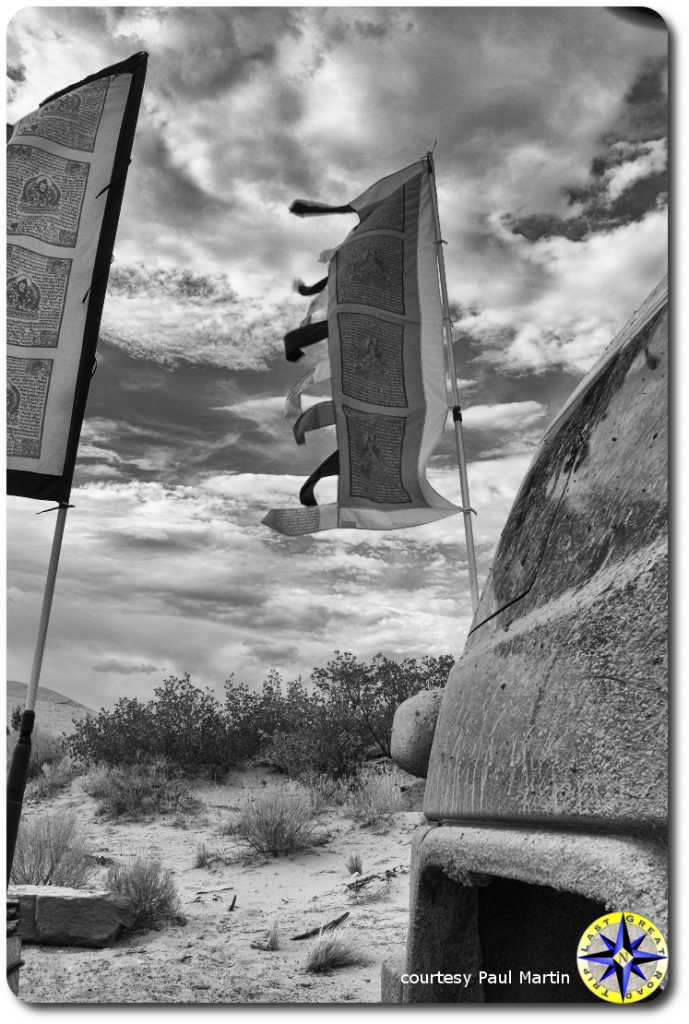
(622, 957)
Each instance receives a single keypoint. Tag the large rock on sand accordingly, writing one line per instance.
(54, 915)
(412, 731)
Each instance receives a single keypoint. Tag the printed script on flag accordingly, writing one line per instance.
(66, 165)
(386, 364)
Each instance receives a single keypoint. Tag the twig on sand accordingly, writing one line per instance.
(384, 876)
(325, 928)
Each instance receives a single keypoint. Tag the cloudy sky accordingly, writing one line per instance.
(551, 163)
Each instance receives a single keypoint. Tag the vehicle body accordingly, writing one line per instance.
(546, 794)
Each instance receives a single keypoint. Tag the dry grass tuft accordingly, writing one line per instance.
(332, 949)
(272, 940)
(354, 863)
(151, 890)
(141, 790)
(279, 821)
(375, 799)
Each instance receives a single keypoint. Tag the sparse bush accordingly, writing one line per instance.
(139, 790)
(374, 799)
(51, 850)
(278, 821)
(354, 863)
(331, 949)
(152, 892)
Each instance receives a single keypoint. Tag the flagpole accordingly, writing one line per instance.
(19, 768)
(456, 408)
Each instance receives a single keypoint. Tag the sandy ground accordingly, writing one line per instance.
(210, 959)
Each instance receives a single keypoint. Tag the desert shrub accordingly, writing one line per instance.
(331, 949)
(139, 790)
(278, 821)
(51, 850)
(330, 725)
(253, 716)
(150, 888)
(16, 717)
(114, 737)
(191, 730)
(374, 799)
(182, 724)
(369, 694)
(325, 739)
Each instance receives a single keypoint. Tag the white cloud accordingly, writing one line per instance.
(506, 416)
(172, 317)
(652, 160)
(585, 293)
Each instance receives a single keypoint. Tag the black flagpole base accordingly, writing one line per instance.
(17, 778)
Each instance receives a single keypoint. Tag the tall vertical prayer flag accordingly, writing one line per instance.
(66, 168)
(384, 332)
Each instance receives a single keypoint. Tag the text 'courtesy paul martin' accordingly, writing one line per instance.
(486, 978)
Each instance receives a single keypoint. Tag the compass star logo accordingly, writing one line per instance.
(622, 957)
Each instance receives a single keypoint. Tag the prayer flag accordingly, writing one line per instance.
(66, 168)
(387, 368)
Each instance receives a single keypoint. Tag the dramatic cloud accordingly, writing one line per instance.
(551, 164)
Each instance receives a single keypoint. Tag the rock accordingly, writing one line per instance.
(412, 731)
(54, 915)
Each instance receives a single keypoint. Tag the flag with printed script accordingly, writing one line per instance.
(379, 309)
(66, 168)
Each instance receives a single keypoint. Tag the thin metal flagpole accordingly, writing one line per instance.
(456, 408)
(19, 768)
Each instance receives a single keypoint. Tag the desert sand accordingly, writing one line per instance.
(210, 959)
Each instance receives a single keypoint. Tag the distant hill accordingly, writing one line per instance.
(54, 711)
